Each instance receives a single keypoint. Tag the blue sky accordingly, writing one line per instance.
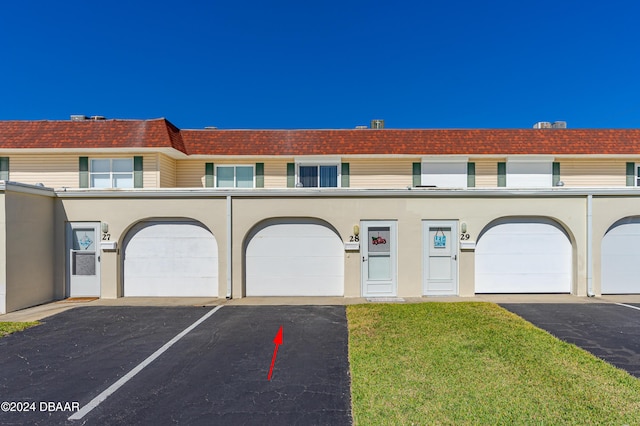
(330, 64)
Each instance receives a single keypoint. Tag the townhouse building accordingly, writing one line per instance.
(126, 208)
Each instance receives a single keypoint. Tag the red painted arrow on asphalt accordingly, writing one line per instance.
(278, 341)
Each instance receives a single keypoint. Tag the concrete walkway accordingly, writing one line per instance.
(40, 312)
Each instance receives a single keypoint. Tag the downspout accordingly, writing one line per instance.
(229, 247)
(590, 245)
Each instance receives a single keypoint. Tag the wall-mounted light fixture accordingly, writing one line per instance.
(463, 227)
(356, 230)
(105, 227)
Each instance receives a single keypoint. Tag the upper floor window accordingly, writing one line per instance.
(318, 176)
(445, 172)
(111, 173)
(637, 178)
(529, 172)
(234, 177)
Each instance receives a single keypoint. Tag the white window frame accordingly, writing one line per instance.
(317, 162)
(112, 174)
(636, 178)
(546, 161)
(235, 175)
(457, 179)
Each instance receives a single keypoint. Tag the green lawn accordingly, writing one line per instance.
(11, 327)
(476, 363)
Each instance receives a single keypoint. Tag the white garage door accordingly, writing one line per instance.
(296, 258)
(621, 258)
(524, 256)
(171, 259)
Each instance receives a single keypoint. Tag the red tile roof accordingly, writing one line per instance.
(412, 142)
(159, 133)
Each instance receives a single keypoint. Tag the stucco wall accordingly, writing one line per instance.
(343, 213)
(121, 214)
(29, 246)
(36, 231)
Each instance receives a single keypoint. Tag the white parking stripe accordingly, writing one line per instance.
(628, 306)
(124, 379)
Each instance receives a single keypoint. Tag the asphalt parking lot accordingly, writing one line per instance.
(608, 330)
(215, 374)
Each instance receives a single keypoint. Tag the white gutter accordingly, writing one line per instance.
(338, 192)
(229, 247)
(590, 245)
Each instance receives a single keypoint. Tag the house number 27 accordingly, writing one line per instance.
(106, 237)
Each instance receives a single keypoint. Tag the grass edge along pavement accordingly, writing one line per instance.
(476, 363)
(7, 328)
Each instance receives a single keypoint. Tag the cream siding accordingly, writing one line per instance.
(593, 173)
(275, 173)
(150, 178)
(486, 172)
(61, 170)
(53, 170)
(167, 170)
(380, 172)
(190, 173)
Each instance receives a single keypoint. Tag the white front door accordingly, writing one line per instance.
(378, 242)
(83, 261)
(440, 257)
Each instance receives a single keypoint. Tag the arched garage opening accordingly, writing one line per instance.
(170, 258)
(620, 257)
(294, 257)
(523, 255)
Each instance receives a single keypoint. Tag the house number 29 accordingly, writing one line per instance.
(464, 237)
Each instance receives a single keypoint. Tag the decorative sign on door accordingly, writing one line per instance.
(439, 239)
(379, 238)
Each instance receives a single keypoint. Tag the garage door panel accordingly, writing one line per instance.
(287, 268)
(318, 245)
(295, 259)
(288, 286)
(523, 256)
(171, 259)
(621, 258)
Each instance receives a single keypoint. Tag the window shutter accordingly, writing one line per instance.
(631, 174)
(4, 168)
(291, 175)
(471, 175)
(137, 172)
(208, 175)
(345, 175)
(259, 175)
(83, 166)
(556, 174)
(502, 174)
(417, 174)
